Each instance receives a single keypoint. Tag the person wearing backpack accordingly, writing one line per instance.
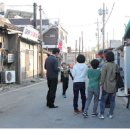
(108, 83)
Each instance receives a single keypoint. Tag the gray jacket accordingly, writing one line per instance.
(108, 77)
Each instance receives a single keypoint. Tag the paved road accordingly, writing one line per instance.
(26, 108)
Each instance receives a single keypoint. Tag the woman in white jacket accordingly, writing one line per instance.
(79, 73)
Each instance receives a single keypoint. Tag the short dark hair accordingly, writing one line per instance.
(110, 56)
(81, 58)
(63, 63)
(94, 63)
(55, 50)
(101, 52)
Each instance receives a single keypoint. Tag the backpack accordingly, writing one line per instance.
(119, 80)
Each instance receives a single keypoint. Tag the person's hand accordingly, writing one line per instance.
(71, 66)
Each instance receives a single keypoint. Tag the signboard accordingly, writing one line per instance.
(60, 45)
(115, 43)
(30, 33)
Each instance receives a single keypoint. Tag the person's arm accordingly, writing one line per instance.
(70, 74)
(56, 68)
(45, 66)
(62, 76)
(73, 72)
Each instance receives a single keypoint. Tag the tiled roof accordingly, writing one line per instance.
(23, 21)
(20, 21)
(6, 25)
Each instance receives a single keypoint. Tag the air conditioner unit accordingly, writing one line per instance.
(8, 76)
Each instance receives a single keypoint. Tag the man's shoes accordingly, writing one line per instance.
(77, 111)
(53, 106)
(81, 110)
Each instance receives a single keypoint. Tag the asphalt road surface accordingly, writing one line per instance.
(26, 108)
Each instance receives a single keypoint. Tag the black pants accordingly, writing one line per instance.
(65, 85)
(52, 86)
(79, 86)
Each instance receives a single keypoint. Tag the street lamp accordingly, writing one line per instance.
(103, 12)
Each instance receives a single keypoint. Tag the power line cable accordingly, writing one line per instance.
(110, 13)
(19, 5)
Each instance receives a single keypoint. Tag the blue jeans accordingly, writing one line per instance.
(79, 87)
(103, 101)
(92, 93)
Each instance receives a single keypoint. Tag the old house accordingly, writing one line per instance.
(18, 53)
(56, 36)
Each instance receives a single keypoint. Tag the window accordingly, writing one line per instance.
(52, 35)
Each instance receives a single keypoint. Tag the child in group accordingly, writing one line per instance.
(65, 72)
(79, 73)
(94, 75)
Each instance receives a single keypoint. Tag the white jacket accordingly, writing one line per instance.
(79, 72)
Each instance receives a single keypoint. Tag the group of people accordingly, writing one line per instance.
(99, 78)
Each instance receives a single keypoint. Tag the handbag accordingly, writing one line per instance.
(119, 80)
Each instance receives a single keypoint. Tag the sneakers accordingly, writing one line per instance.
(101, 116)
(64, 95)
(85, 115)
(110, 116)
(94, 114)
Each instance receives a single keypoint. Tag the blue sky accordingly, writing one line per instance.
(81, 15)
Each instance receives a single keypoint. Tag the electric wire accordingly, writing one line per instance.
(110, 13)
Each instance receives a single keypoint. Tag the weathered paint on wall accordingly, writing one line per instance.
(28, 60)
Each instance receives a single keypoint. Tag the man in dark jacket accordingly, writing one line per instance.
(51, 65)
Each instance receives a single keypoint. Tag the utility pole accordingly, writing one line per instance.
(113, 33)
(41, 40)
(75, 49)
(35, 15)
(97, 34)
(82, 41)
(79, 44)
(107, 40)
(103, 12)
(103, 29)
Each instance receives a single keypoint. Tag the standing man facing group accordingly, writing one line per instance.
(51, 66)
